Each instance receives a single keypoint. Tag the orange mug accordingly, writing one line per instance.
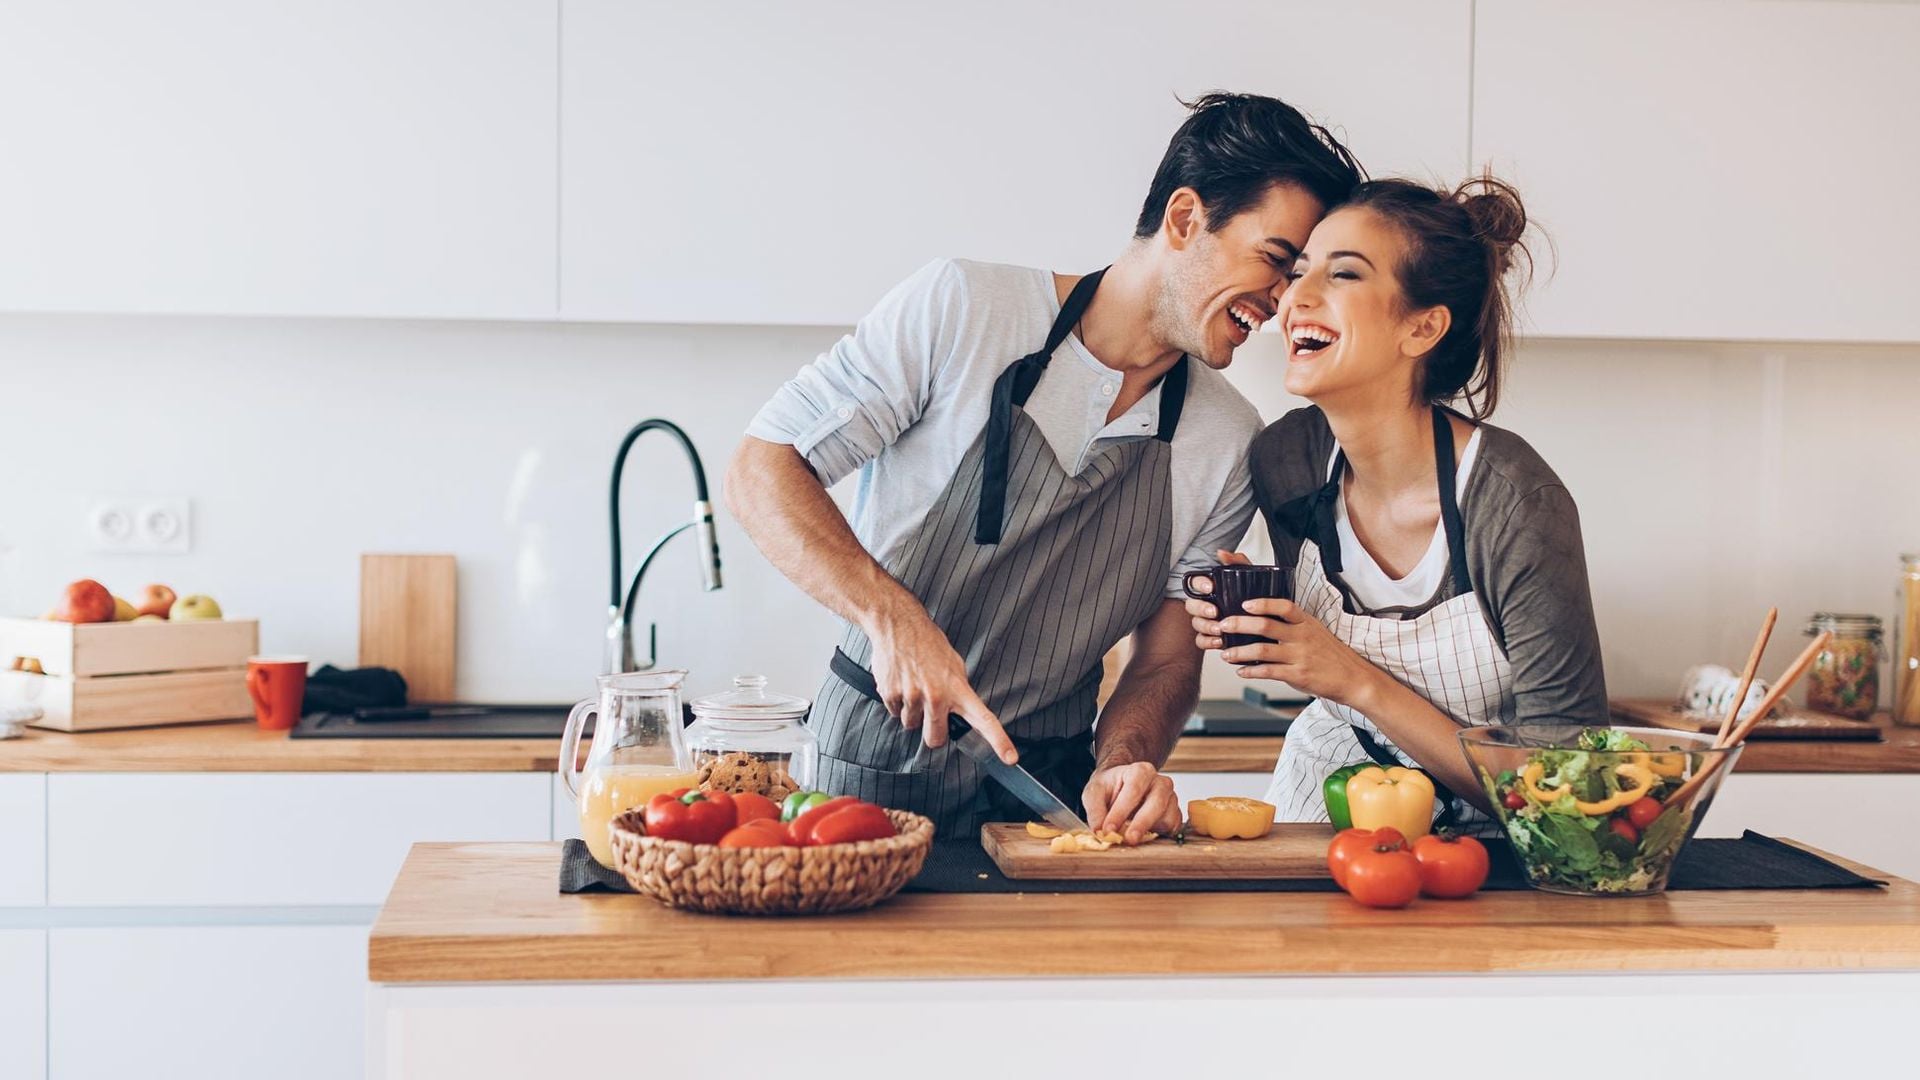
(278, 685)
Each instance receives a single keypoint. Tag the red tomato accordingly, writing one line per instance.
(1384, 876)
(1351, 842)
(1642, 812)
(755, 835)
(803, 825)
(1450, 866)
(1622, 827)
(750, 807)
(1514, 801)
(862, 821)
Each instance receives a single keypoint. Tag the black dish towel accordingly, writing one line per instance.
(955, 866)
(333, 690)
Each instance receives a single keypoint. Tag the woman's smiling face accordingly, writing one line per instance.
(1345, 317)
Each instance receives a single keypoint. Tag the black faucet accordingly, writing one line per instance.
(619, 645)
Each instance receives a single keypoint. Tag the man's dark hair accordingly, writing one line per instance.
(1236, 146)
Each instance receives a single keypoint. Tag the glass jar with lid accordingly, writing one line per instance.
(749, 740)
(1845, 677)
(1906, 701)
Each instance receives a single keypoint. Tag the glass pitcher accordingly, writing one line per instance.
(638, 751)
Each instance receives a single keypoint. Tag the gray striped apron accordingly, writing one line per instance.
(1033, 574)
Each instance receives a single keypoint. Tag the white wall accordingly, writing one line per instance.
(1712, 479)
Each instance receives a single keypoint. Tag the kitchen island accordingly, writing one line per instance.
(479, 968)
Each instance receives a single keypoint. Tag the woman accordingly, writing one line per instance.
(1439, 577)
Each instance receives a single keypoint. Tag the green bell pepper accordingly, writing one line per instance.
(1335, 792)
(800, 802)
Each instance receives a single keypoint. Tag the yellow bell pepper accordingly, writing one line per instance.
(1391, 798)
(1674, 764)
(1641, 775)
(1228, 818)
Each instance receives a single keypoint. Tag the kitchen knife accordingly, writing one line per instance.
(1015, 779)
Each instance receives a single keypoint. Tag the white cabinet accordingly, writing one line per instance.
(788, 163)
(1711, 170)
(209, 1002)
(268, 838)
(23, 841)
(23, 1003)
(306, 157)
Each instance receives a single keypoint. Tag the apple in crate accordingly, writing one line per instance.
(156, 600)
(195, 607)
(87, 601)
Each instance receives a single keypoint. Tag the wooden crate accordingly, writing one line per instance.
(131, 674)
(103, 702)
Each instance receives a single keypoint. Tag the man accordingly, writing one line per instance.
(1041, 458)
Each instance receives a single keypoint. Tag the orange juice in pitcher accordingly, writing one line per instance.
(607, 791)
(637, 752)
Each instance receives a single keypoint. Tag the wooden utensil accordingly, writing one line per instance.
(1746, 676)
(1291, 850)
(407, 611)
(1794, 671)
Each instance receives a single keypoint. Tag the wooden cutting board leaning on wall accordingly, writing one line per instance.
(407, 614)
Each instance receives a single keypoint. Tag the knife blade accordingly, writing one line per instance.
(1018, 781)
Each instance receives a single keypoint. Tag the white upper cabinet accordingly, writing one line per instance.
(306, 157)
(788, 163)
(1712, 170)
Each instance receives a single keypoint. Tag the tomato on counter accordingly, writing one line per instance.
(1348, 844)
(1450, 866)
(1383, 875)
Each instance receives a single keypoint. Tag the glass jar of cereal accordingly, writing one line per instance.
(1845, 677)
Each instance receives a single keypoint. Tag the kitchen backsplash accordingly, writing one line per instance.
(1712, 479)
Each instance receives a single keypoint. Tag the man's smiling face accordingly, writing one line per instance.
(1221, 285)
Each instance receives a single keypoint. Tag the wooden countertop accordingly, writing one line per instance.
(241, 747)
(490, 913)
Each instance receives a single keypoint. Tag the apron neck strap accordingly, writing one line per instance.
(1173, 397)
(1450, 518)
(1012, 389)
(1311, 516)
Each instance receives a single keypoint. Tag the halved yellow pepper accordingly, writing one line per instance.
(1674, 764)
(1642, 775)
(1391, 798)
(1230, 818)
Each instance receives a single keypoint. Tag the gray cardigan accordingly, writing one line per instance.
(1524, 557)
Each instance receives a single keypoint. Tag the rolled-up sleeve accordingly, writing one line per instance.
(856, 398)
(1224, 528)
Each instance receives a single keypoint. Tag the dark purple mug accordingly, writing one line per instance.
(1234, 585)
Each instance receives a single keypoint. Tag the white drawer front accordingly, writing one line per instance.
(23, 1003)
(208, 1002)
(268, 838)
(23, 841)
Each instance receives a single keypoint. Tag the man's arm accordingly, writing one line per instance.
(780, 502)
(1139, 726)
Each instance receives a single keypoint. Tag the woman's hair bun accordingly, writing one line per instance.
(1499, 217)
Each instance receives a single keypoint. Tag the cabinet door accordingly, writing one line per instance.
(269, 838)
(23, 840)
(23, 1003)
(1711, 170)
(788, 163)
(307, 157)
(209, 1002)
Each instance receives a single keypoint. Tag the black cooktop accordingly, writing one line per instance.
(453, 721)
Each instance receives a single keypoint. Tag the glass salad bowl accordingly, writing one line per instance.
(1597, 811)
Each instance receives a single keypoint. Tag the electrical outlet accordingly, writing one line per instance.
(155, 526)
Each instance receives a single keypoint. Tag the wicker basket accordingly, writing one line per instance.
(770, 881)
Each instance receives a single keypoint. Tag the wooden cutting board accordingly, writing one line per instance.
(1291, 850)
(407, 614)
(1795, 723)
